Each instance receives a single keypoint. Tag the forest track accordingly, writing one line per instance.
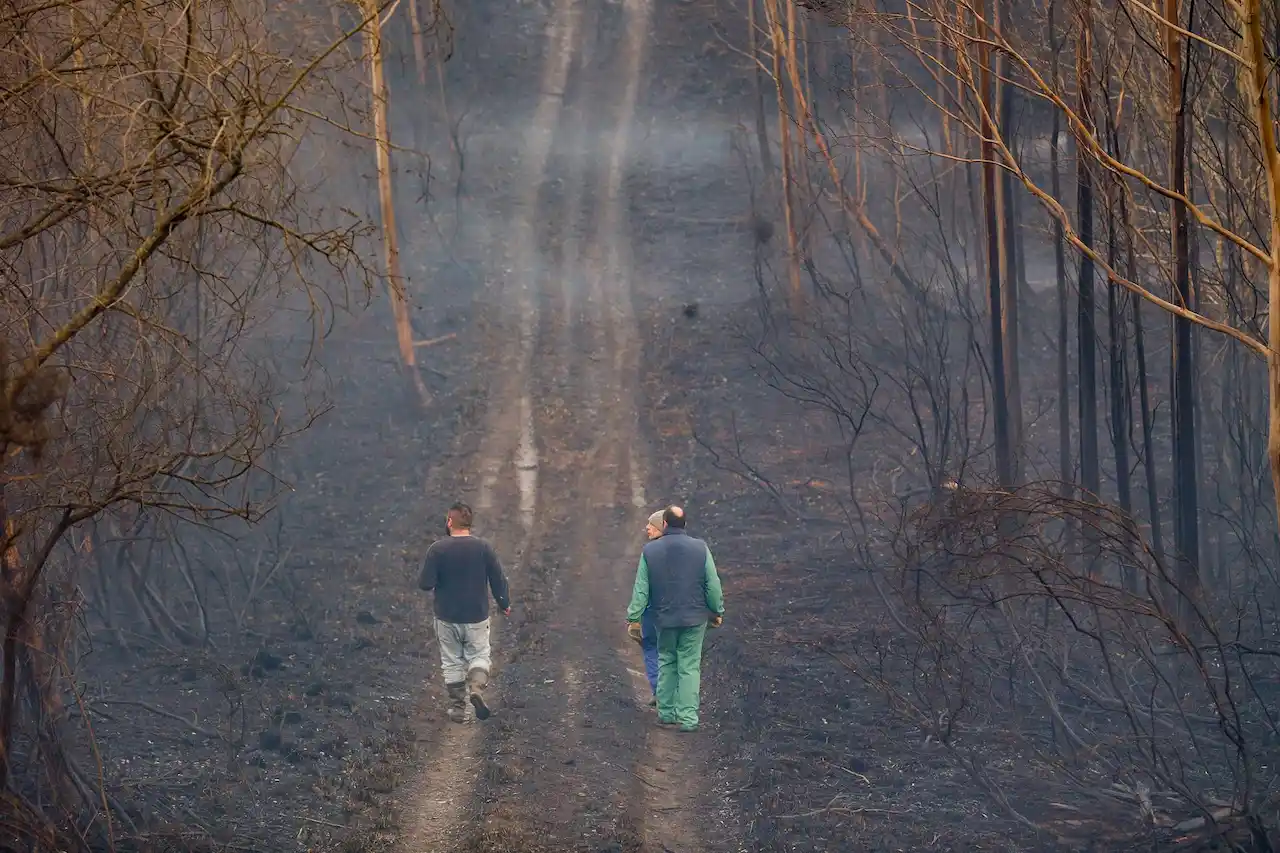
(573, 760)
(508, 448)
(667, 769)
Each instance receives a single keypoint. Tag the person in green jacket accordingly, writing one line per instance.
(677, 581)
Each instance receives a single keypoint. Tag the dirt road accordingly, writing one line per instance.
(574, 759)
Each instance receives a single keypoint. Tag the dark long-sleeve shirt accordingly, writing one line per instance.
(459, 568)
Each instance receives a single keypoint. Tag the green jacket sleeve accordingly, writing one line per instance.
(715, 595)
(639, 593)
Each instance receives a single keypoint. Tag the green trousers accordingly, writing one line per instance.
(680, 673)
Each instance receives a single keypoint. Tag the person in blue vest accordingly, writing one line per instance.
(648, 630)
(677, 579)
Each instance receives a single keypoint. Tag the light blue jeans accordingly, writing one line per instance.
(462, 649)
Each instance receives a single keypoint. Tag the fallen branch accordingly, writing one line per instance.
(430, 342)
(832, 808)
(635, 774)
(324, 822)
(161, 712)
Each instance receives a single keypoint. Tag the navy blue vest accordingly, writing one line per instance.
(677, 579)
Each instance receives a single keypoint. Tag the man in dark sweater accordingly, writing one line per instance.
(677, 580)
(459, 568)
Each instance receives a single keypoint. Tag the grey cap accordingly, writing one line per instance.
(656, 519)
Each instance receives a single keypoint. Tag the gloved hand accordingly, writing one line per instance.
(634, 632)
(716, 620)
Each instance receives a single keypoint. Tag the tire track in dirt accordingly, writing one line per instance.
(669, 771)
(562, 775)
(555, 783)
(570, 274)
(448, 784)
(573, 762)
(584, 767)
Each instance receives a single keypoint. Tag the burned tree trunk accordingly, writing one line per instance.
(757, 93)
(1117, 341)
(391, 244)
(1259, 92)
(995, 300)
(1087, 331)
(1009, 239)
(1144, 399)
(1186, 527)
(1065, 470)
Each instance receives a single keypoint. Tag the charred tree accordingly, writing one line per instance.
(391, 243)
(1258, 88)
(995, 300)
(1186, 528)
(1010, 236)
(757, 93)
(1087, 334)
(1144, 394)
(1065, 469)
(1117, 343)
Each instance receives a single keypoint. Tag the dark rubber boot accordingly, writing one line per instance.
(477, 680)
(457, 701)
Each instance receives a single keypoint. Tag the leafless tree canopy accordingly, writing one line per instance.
(1029, 279)
(153, 239)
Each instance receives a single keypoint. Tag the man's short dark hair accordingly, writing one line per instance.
(460, 516)
(674, 517)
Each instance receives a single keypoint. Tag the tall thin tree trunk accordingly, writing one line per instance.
(1117, 352)
(1196, 342)
(806, 115)
(1186, 528)
(1009, 238)
(1090, 476)
(1065, 470)
(1234, 413)
(1117, 343)
(779, 38)
(1143, 380)
(757, 84)
(977, 221)
(419, 48)
(382, 139)
(1229, 415)
(1144, 395)
(995, 302)
(1258, 77)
